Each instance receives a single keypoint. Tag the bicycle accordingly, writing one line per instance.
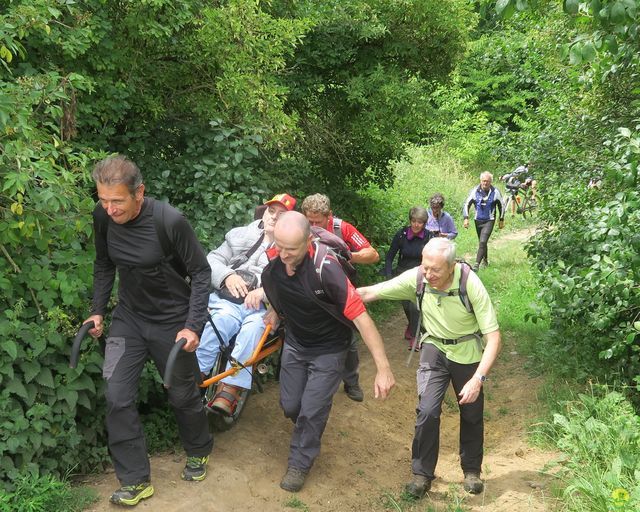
(520, 198)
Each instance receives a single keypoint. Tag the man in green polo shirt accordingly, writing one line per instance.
(458, 346)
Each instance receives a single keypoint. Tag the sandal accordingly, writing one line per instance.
(226, 399)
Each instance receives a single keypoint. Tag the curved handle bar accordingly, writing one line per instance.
(75, 348)
(171, 361)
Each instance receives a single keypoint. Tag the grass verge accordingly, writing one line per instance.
(45, 494)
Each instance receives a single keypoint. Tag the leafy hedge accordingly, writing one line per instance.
(590, 268)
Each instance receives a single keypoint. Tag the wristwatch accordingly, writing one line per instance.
(481, 378)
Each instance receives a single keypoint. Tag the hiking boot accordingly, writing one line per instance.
(293, 480)
(130, 495)
(354, 392)
(195, 469)
(226, 399)
(418, 487)
(472, 483)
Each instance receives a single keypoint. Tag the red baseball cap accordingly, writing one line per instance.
(285, 200)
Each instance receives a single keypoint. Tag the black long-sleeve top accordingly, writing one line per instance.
(410, 248)
(149, 286)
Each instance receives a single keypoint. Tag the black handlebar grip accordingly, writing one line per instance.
(171, 361)
(75, 348)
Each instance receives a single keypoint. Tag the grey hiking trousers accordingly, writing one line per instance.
(307, 386)
(131, 342)
(434, 374)
(351, 376)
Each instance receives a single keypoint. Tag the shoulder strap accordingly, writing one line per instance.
(465, 268)
(158, 222)
(167, 248)
(319, 258)
(419, 287)
(251, 250)
(102, 224)
(337, 227)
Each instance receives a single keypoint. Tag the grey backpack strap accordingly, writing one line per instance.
(337, 227)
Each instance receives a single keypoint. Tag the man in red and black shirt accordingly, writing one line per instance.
(317, 209)
(320, 311)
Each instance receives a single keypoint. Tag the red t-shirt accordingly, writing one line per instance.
(352, 237)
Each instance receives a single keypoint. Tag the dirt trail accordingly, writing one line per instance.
(366, 452)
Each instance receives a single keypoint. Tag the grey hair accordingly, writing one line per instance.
(116, 170)
(443, 246)
(418, 213)
(487, 174)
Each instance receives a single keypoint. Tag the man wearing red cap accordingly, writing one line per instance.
(236, 304)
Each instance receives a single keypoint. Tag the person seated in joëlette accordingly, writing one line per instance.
(236, 305)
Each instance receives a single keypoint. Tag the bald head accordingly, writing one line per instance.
(292, 222)
(292, 236)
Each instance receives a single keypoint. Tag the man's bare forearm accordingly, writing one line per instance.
(372, 339)
(365, 256)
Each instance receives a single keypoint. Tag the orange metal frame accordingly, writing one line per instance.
(261, 351)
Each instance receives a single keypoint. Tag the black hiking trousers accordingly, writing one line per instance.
(131, 342)
(434, 374)
(484, 228)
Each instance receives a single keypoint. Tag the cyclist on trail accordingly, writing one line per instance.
(236, 304)
(317, 209)
(486, 198)
(520, 178)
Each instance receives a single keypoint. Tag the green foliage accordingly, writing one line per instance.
(216, 182)
(45, 494)
(599, 435)
(608, 37)
(362, 79)
(589, 272)
(46, 409)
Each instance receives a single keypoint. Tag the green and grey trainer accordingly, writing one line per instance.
(130, 495)
(196, 469)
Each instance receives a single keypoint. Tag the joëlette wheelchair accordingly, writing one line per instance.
(265, 360)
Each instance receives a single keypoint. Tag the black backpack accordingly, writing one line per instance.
(170, 256)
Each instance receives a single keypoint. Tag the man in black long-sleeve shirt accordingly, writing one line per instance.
(156, 306)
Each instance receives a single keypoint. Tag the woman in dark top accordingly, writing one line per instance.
(408, 242)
